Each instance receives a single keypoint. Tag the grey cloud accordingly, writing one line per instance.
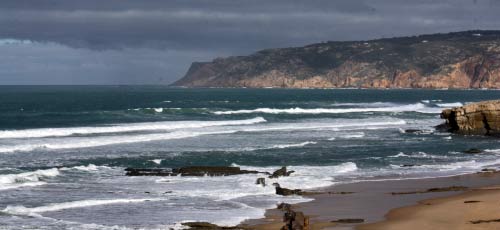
(131, 36)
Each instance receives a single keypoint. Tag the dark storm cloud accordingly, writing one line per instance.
(178, 32)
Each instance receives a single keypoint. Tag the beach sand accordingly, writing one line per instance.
(374, 202)
(478, 209)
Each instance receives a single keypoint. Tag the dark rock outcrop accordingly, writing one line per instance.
(189, 171)
(286, 191)
(409, 165)
(281, 172)
(482, 118)
(293, 220)
(207, 226)
(261, 181)
(473, 151)
(349, 221)
(468, 59)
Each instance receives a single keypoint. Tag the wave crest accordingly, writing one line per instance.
(418, 107)
(120, 128)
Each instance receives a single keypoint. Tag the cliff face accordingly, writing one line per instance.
(456, 60)
(478, 118)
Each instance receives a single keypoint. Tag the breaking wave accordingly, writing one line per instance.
(293, 145)
(308, 177)
(281, 146)
(448, 105)
(27, 179)
(102, 141)
(21, 210)
(418, 107)
(38, 177)
(132, 127)
(88, 142)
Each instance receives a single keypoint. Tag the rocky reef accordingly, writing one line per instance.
(456, 60)
(482, 118)
(189, 171)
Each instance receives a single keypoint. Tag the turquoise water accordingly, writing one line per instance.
(63, 149)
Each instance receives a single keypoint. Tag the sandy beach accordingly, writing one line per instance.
(402, 204)
(477, 209)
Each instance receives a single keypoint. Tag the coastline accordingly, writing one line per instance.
(373, 202)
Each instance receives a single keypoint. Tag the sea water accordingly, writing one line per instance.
(63, 149)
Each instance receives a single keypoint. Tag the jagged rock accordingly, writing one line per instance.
(473, 151)
(284, 207)
(189, 171)
(286, 191)
(148, 172)
(281, 172)
(261, 181)
(413, 130)
(409, 165)
(482, 118)
(295, 220)
(458, 60)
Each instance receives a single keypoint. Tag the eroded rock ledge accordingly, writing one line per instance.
(482, 118)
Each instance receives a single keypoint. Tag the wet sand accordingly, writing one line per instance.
(372, 200)
(478, 209)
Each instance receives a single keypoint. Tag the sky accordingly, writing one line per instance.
(72, 42)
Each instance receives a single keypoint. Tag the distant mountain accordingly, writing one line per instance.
(468, 59)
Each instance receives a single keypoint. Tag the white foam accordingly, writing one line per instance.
(367, 104)
(119, 128)
(278, 146)
(418, 107)
(157, 161)
(344, 124)
(87, 142)
(400, 154)
(448, 105)
(103, 141)
(307, 177)
(87, 168)
(464, 166)
(353, 135)
(27, 179)
(21, 210)
(284, 146)
(38, 177)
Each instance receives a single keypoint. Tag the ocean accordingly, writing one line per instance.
(63, 149)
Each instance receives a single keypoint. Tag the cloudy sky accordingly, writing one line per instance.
(155, 41)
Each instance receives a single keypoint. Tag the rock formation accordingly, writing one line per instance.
(282, 172)
(482, 118)
(456, 60)
(189, 171)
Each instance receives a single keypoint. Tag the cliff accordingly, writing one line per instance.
(481, 118)
(456, 60)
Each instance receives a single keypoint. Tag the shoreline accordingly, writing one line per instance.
(475, 209)
(373, 201)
